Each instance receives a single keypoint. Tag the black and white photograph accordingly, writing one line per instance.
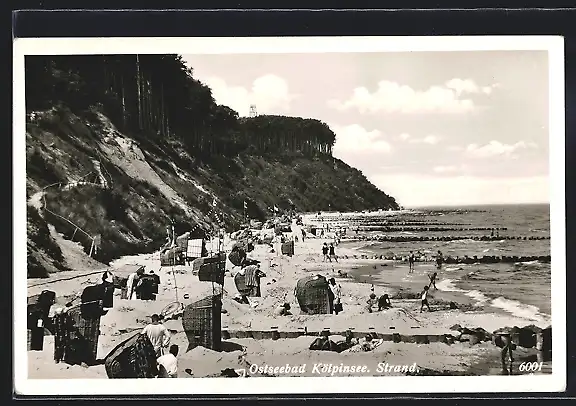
(331, 214)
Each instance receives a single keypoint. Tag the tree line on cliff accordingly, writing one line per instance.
(157, 96)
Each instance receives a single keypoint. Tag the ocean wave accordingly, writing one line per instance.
(447, 285)
(514, 307)
(465, 241)
(454, 268)
(519, 309)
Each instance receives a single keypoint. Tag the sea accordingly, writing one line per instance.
(522, 289)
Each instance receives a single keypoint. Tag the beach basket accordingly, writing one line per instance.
(312, 294)
(213, 272)
(132, 358)
(120, 282)
(236, 256)
(85, 333)
(202, 323)
(172, 257)
(182, 241)
(240, 281)
(35, 340)
(195, 249)
(196, 264)
(288, 248)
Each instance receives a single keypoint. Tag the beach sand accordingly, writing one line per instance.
(282, 272)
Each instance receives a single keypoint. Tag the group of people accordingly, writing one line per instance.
(381, 303)
(166, 354)
(329, 253)
(412, 261)
(141, 286)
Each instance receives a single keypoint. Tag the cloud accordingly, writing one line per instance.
(412, 190)
(355, 138)
(496, 148)
(392, 97)
(429, 139)
(270, 94)
(461, 86)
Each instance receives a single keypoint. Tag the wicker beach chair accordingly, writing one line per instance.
(133, 358)
(240, 281)
(288, 248)
(312, 293)
(83, 345)
(202, 323)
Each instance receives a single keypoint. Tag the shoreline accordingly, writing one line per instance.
(282, 272)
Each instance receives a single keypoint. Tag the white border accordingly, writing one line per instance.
(281, 385)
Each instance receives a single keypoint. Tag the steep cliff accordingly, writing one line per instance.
(121, 163)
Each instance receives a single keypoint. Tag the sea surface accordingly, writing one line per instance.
(522, 289)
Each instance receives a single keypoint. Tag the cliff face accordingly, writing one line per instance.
(92, 170)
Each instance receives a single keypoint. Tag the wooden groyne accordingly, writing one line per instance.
(486, 259)
(411, 238)
(393, 337)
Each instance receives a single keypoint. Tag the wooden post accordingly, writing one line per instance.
(91, 248)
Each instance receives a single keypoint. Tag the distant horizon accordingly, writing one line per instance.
(477, 205)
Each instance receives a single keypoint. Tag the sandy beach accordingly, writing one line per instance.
(282, 272)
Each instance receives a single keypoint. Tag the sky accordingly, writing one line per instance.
(428, 128)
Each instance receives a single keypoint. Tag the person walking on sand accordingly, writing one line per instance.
(411, 260)
(325, 253)
(132, 286)
(433, 280)
(168, 363)
(337, 293)
(506, 354)
(332, 254)
(424, 297)
(439, 260)
(158, 335)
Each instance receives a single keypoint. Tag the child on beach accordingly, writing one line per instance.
(433, 280)
(325, 252)
(332, 254)
(424, 298)
(370, 303)
(411, 260)
(439, 260)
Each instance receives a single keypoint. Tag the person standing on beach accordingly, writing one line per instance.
(158, 335)
(506, 354)
(411, 260)
(433, 280)
(337, 294)
(424, 297)
(325, 253)
(439, 260)
(332, 254)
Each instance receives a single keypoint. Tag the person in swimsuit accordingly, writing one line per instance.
(411, 260)
(424, 298)
(439, 260)
(433, 280)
